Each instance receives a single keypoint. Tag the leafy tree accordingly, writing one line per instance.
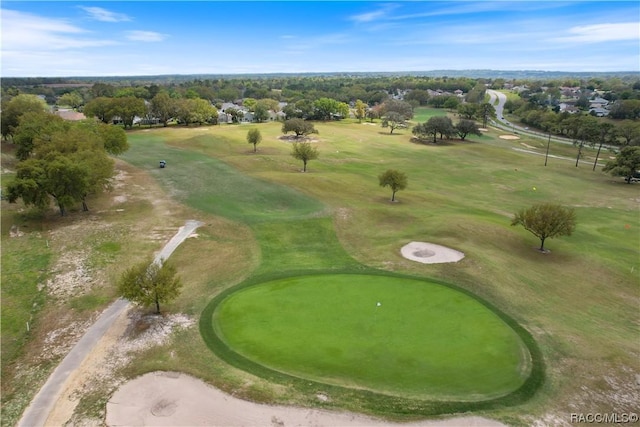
(201, 111)
(28, 184)
(57, 176)
(420, 95)
(451, 103)
(291, 111)
(626, 163)
(67, 161)
(468, 111)
(403, 108)
(395, 179)
(304, 151)
(374, 113)
(235, 113)
(584, 130)
(261, 113)
(102, 90)
(269, 104)
(629, 131)
(606, 131)
(163, 107)
(299, 126)
(305, 108)
(100, 107)
(327, 108)
(393, 120)
(435, 125)
(127, 108)
(486, 112)
(254, 137)
(546, 221)
(465, 127)
(361, 110)
(150, 283)
(114, 138)
(625, 109)
(16, 107)
(71, 99)
(250, 103)
(34, 127)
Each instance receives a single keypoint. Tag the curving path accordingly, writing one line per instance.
(38, 411)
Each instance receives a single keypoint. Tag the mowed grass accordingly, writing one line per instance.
(422, 114)
(579, 301)
(382, 333)
(213, 186)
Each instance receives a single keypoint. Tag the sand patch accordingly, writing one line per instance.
(175, 399)
(430, 253)
(509, 137)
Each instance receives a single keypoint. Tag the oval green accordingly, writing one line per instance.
(388, 334)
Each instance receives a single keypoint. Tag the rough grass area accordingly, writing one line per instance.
(381, 333)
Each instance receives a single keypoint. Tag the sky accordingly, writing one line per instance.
(129, 38)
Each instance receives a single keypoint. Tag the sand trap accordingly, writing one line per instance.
(509, 137)
(429, 253)
(174, 399)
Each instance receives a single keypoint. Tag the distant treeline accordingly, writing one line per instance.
(181, 78)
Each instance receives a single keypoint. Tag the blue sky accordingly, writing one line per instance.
(95, 38)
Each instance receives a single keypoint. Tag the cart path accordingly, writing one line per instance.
(42, 404)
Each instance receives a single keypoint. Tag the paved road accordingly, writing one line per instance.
(42, 404)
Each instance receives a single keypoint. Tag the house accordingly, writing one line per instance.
(599, 112)
(568, 107)
(598, 103)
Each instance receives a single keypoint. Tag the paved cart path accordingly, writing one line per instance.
(36, 414)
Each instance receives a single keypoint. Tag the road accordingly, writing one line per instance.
(36, 414)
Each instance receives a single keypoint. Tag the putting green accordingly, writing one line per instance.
(388, 334)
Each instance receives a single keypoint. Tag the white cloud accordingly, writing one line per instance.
(145, 36)
(597, 33)
(373, 15)
(100, 14)
(26, 32)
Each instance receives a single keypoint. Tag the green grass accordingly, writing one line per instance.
(213, 186)
(574, 308)
(461, 195)
(422, 114)
(24, 264)
(424, 340)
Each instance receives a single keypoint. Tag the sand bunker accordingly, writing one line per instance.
(429, 253)
(174, 399)
(509, 137)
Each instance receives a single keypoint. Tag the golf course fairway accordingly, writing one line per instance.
(384, 333)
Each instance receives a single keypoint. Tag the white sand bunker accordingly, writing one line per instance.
(430, 253)
(509, 137)
(174, 399)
